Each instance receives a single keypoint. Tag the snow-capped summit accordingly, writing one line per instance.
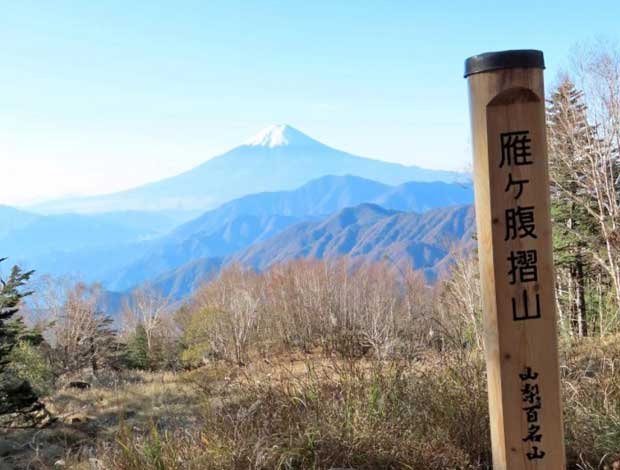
(280, 158)
(279, 135)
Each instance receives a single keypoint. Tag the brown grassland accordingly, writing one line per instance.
(311, 411)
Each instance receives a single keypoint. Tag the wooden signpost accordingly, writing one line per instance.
(507, 106)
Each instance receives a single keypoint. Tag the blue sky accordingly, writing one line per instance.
(101, 96)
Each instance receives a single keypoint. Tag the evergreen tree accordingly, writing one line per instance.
(103, 348)
(571, 137)
(138, 349)
(15, 395)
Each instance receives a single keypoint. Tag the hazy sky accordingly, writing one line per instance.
(101, 96)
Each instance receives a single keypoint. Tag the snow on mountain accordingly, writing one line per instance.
(280, 135)
(278, 158)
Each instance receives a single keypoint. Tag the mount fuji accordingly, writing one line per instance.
(278, 158)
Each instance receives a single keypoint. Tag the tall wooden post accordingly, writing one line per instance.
(507, 106)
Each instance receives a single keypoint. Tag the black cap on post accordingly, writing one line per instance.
(524, 58)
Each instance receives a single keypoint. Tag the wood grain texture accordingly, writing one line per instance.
(505, 101)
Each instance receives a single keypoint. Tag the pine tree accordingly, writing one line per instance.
(103, 347)
(138, 349)
(15, 395)
(570, 140)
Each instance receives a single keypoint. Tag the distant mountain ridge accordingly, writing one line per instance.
(219, 241)
(365, 233)
(281, 195)
(14, 219)
(84, 244)
(331, 193)
(251, 219)
(125, 249)
(180, 282)
(370, 233)
(278, 158)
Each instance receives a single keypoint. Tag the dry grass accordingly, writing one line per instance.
(357, 414)
(591, 378)
(135, 398)
(87, 419)
(312, 412)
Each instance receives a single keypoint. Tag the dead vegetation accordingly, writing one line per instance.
(298, 411)
(294, 369)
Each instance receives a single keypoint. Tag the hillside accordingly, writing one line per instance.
(84, 245)
(240, 223)
(180, 282)
(365, 233)
(215, 241)
(369, 233)
(332, 193)
(14, 219)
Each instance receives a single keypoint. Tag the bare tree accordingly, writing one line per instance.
(459, 304)
(146, 307)
(377, 301)
(83, 335)
(233, 301)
